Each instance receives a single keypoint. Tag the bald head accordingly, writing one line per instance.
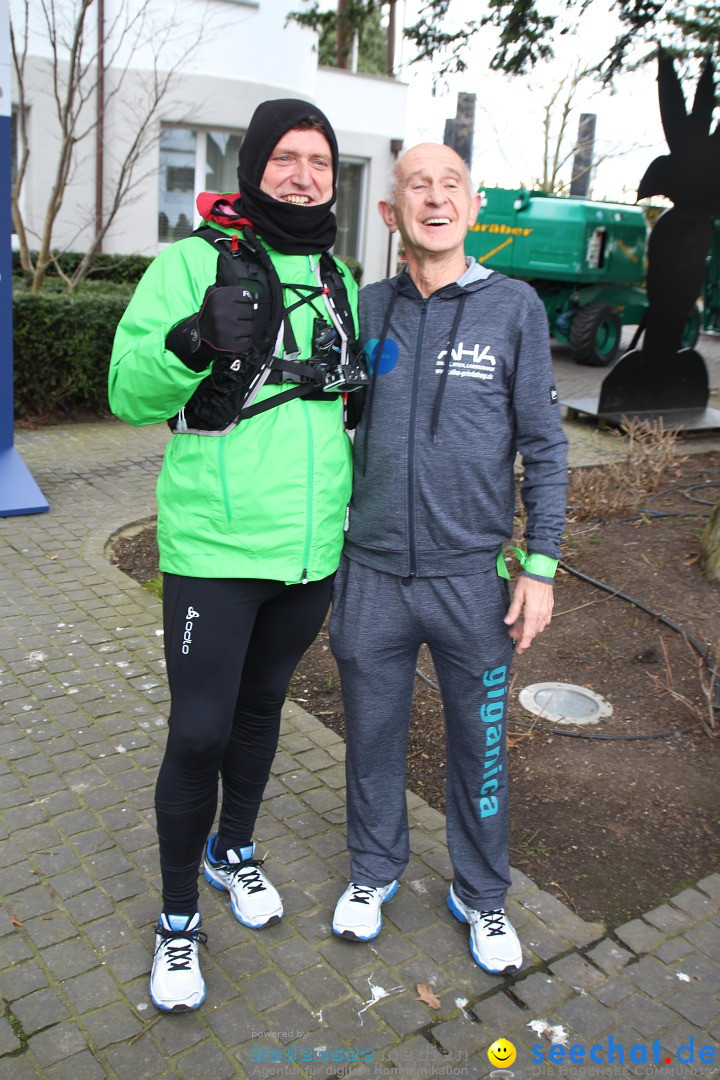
(414, 158)
(432, 206)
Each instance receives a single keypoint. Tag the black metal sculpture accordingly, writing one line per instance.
(660, 376)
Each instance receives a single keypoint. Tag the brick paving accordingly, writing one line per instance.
(84, 721)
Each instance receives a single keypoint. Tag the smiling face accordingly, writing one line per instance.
(433, 206)
(299, 170)
(502, 1053)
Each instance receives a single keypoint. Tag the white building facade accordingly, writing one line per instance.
(224, 58)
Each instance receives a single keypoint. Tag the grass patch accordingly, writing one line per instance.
(154, 586)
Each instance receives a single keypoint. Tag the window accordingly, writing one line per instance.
(177, 182)
(192, 160)
(351, 180)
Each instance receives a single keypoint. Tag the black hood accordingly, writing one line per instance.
(293, 230)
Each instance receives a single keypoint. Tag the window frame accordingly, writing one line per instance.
(350, 159)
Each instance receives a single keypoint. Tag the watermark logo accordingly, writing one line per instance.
(638, 1059)
(501, 1054)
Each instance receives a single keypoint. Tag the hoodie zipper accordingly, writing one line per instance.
(412, 548)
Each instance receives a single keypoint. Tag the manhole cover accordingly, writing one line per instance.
(564, 703)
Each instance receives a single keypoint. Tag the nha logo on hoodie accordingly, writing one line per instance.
(468, 363)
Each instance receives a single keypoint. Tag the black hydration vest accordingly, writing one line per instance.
(227, 395)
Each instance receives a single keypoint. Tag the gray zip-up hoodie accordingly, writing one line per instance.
(435, 450)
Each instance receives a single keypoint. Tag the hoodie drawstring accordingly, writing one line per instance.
(443, 377)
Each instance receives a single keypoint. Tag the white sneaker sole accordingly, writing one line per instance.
(180, 1006)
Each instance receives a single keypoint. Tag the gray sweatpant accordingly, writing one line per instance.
(378, 623)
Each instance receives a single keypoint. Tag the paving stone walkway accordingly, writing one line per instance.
(84, 705)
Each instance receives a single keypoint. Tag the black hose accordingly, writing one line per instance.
(694, 487)
(642, 607)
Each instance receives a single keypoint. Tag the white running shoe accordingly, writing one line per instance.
(358, 914)
(493, 942)
(176, 983)
(254, 899)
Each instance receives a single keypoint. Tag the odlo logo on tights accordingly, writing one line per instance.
(187, 634)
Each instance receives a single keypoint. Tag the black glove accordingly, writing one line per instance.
(224, 324)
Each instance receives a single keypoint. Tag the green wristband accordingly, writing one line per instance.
(542, 565)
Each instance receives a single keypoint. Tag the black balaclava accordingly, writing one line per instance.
(293, 230)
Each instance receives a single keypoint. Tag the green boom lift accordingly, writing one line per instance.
(587, 261)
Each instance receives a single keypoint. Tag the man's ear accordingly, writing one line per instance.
(475, 205)
(387, 213)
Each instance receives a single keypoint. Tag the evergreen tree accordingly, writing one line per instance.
(372, 44)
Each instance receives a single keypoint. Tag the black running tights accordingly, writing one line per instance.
(231, 646)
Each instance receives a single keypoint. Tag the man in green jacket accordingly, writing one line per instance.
(233, 341)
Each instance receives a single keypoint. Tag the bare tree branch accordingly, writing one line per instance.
(74, 80)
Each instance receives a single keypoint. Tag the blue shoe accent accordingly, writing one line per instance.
(210, 858)
(180, 922)
(245, 853)
(461, 917)
(455, 909)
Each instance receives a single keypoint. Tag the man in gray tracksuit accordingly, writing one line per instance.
(461, 381)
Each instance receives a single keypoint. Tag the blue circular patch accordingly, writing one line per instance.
(389, 358)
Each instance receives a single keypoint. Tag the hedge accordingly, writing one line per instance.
(62, 346)
(126, 269)
(115, 269)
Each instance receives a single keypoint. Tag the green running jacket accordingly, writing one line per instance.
(266, 500)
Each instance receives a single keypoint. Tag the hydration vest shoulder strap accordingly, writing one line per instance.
(338, 297)
(242, 259)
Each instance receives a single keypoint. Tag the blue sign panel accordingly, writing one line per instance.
(19, 494)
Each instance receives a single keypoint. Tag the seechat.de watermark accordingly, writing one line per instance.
(613, 1052)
